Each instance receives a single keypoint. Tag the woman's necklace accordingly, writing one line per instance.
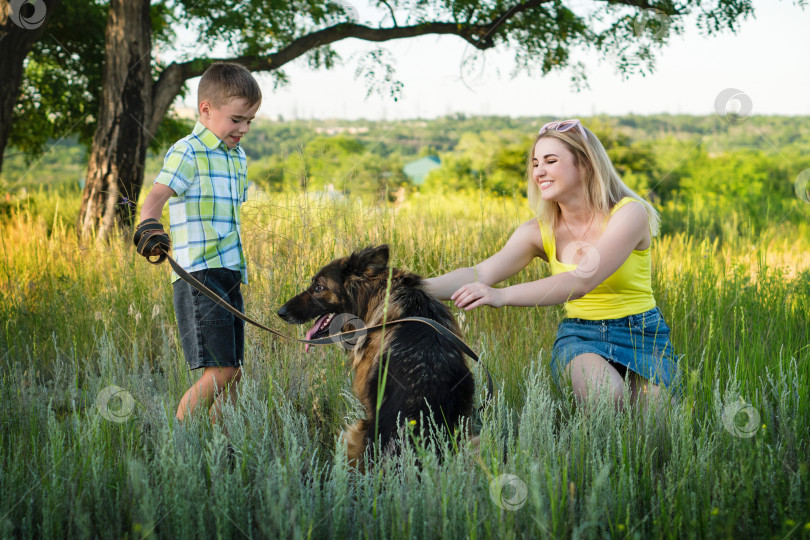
(581, 247)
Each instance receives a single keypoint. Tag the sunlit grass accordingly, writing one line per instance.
(81, 316)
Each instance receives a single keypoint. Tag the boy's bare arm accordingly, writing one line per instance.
(153, 205)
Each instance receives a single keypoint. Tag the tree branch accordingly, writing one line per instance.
(479, 36)
(172, 78)
(393, 17)
(339, 32)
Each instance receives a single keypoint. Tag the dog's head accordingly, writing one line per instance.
(344, 286)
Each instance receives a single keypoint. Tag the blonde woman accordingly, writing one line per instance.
(595, 232)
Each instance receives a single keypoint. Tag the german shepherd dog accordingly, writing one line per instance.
(422, 375)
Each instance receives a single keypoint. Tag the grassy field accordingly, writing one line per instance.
(92, 372)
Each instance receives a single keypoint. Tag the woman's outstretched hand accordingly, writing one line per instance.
(476, 294)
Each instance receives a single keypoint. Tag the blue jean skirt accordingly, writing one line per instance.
(639, 343)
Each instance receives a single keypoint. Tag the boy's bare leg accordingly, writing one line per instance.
(205, 390)
(232, 391)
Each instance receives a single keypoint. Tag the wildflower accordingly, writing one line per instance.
(620, 527)
(790, 523)
(715, 511)
(807, 526)
(764, 426)
(413, 422)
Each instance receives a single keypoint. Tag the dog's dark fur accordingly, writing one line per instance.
(427, 375)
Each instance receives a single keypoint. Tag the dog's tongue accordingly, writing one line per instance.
(312, 331)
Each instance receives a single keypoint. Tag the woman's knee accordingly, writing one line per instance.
(588, 371)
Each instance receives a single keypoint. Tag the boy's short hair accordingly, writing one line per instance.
(224, 81)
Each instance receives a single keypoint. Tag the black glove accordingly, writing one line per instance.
(151, 240)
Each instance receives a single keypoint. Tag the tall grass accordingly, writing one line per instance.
(80, 317)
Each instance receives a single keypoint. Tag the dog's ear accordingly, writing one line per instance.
(379, 255)
(369, 261)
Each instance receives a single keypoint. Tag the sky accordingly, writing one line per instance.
(765, 65)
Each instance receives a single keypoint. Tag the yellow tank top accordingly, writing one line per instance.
(627, 291)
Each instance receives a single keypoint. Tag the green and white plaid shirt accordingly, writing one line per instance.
(210, 181)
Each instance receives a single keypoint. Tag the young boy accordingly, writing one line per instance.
(204, 178)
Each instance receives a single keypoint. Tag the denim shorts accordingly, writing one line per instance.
(210, 335)
(639, 343)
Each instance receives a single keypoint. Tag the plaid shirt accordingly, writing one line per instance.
(210, 181)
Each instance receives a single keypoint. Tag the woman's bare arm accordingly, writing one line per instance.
(524, 245)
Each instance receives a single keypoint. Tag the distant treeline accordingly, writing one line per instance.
(699, 167)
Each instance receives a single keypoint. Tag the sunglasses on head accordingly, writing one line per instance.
(565, 125)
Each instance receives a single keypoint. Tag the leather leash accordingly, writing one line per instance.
(332, 338)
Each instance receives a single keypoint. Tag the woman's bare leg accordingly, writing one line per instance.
(588, 371)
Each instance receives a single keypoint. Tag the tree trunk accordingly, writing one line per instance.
(18, 33)
(116, 164)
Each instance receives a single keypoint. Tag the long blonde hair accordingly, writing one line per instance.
(603, 185)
